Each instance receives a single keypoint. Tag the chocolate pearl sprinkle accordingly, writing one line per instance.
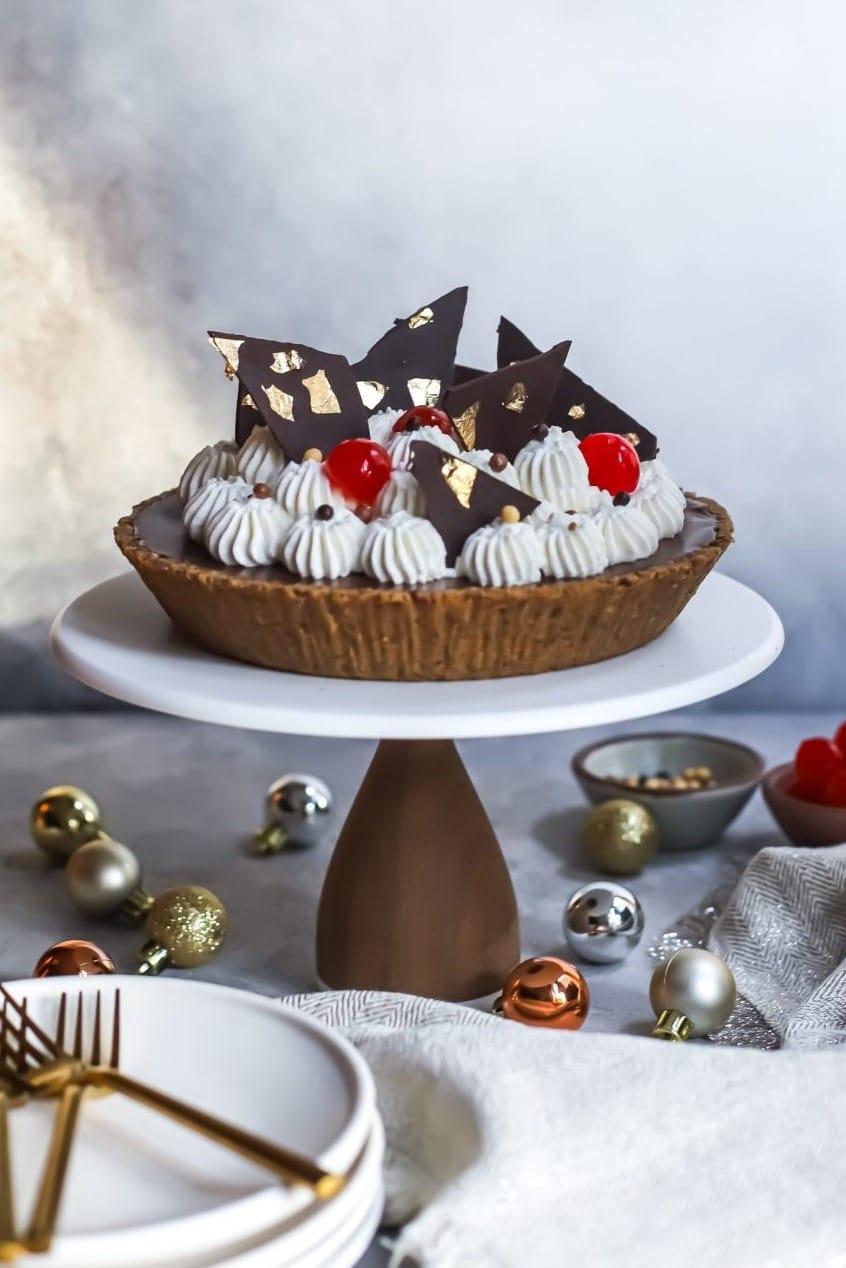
(498, 462)
(324, 512)
(262, 491)
(364, 513)
(540, 431)
(413, 424)
(621, 499)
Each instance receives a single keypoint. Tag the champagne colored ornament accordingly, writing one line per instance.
(75, 957)
(104, 878)
(186, 926)
(621, 837)
(64, 818)
(545, 991)
(692, 994)
(603, 922)
(297, 809)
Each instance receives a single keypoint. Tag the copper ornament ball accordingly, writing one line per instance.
(546, 991)
(621, 837)
(75, 957)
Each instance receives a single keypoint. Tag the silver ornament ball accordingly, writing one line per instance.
(101, 875)
(298, 808)
(692, 994)
(603, 922)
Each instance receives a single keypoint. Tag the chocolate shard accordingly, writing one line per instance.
(577, 407)
(464, 373)
(413, 363)
(459, 497)
(246, 415)
(500, 410)
(308, 398)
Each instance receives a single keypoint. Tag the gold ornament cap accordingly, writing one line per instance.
(186, 926)
(621, 837)
(75, 957)
(64, 818)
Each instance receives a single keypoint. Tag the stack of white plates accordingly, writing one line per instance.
(144, 1192)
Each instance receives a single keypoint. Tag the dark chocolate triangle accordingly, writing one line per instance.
(246, 415)
(459, 497)
(464, 373)
(573, 396)
(413, 363)
(500, 410)
(512, 344)
(308, 398)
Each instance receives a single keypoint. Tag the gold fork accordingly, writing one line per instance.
(48, 1069)
(12, 1092)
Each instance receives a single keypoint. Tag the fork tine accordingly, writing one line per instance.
(95, 1041)
(36, 1030)
(114, 1060)
(21, 1048)
(60, 1023)
(77, 1034)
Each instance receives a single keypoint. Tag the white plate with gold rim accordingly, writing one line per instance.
(142, 1190)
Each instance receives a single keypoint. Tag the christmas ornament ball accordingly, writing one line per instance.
(297, 808)
(75, 957)
(693, 993)
(189, 922)
(621, 837)
(603, 922)
(545, 991)
(101, 875)
(64, 818)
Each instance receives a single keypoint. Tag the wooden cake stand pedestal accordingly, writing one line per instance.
(417, 895)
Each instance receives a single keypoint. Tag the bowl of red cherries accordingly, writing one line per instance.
(807, 797)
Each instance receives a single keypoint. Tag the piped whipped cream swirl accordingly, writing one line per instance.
(402, 492)
(660, 498)
(216, 460)
(628, 533)
(399, 444)
(382, 425)
(261, 457)
(403, 550)
(325, 545)
(501, 554)
(552, 469)
(571, 546)
(210, 498)
(301, 487)
(248, 532)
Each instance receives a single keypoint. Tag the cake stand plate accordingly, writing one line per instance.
(417, 895)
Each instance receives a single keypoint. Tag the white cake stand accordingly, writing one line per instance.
(417, 895)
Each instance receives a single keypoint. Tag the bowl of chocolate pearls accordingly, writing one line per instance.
(692, 785)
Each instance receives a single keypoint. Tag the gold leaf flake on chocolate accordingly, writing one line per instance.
(228, 349)
(576, 412)
(282, 403)
(371, 392)
(248, 402)
(421, 318)
(321, 397)
(516, 398)
(465, 424)
(424, 391)
(460, 476)
(286, 359)
(632, 437)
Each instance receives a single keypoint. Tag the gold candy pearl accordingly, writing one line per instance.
(621, 837)
(509, 515)
(75, 957)
(313, 455)
(186, 927)
(64, 818)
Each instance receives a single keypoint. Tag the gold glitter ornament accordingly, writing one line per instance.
(64, 818)
(186, 926)
(621, 837)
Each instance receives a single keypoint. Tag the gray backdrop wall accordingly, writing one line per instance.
(663, 182)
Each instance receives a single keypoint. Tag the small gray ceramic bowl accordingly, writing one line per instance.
(686, 818)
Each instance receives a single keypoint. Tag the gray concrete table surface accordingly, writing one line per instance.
(186, 797)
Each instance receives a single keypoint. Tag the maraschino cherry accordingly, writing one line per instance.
(817, 761)
(612, 462)
(423, 416)
(359, 469)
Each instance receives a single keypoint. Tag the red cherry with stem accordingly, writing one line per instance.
(835, 790)
(840, 738)
(612, 462)
(816, 761)
(359, 469)
(423, 416)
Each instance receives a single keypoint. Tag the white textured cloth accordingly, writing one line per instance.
(518, 1148)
